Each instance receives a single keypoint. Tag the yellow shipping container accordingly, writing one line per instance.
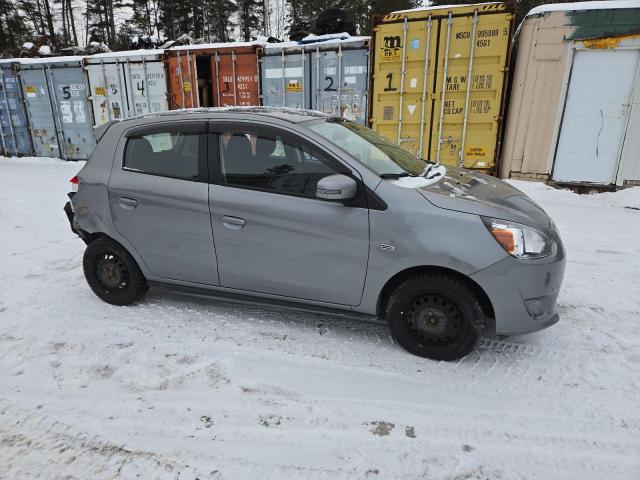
(438, 80)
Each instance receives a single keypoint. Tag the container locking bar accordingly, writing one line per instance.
(340, 79)
(284, 92)
(217, 60)
(9, 119)
(405, 27)
(146, 85)
(318, 78)
(466, 100)
(62, 147)
(120, 91)
(304, 87)
(188, 55)
(235, 79)
(181, 78)
(425, 75)
(106, 89)
(444, 86)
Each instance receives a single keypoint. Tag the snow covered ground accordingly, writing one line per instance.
(181, 387)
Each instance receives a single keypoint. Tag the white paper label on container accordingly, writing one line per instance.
(78, 108)
(288, 72)
(355, 69)
(65, 110)
(330, 70)
(411, 108)
(414, 82)
(350, 80)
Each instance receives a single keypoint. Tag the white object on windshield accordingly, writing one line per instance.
(432, 174)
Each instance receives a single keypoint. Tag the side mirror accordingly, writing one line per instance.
(337, 187)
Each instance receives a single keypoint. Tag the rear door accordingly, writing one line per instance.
(158, 197)
(272, 235)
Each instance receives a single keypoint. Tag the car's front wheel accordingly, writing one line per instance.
(435, 316)
(112, 273)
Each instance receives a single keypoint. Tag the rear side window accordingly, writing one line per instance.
(167, 154)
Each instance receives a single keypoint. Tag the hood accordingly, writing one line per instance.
(471, 192)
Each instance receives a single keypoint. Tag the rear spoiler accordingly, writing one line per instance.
(98, 132)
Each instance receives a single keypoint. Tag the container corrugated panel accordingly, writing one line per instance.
(14, 131)
(330, 76)
(220, 75)
(438, 81)
(126, 84)
(57, 107)
(341, 80)
(286, 78)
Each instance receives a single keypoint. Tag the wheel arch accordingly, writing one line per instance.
(403, 275)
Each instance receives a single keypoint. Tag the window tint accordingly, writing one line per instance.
(271, 163)
(170, 154)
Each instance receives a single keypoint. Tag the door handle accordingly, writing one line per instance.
(234, 223)
(128, 203)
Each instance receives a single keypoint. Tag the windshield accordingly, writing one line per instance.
(369, 148)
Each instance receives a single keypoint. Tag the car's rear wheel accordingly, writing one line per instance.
(112, 273)
(435, 316)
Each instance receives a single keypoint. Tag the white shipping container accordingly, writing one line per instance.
(125, 84)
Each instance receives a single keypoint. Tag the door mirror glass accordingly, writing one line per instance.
(337, 187)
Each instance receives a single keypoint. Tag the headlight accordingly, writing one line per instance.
(518, 240)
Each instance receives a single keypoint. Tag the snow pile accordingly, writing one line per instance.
(184, 387)
(593, 5)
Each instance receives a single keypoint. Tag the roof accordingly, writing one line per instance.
(443, 7)
(45, 60)
(293, 115)
(597, 5)
(310, 43)
(125, 53)
(201, 46)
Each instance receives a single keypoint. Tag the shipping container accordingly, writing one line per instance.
(14, 131)
(57, 106)
(213, 75)
(331, 76)
(438, 81)
(574, 109)
(125, 84)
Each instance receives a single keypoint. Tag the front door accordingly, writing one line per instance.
(158, 197)
(271, 234)
(595, 117)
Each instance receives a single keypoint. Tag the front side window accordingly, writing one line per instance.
(270, 162)
(168, 154)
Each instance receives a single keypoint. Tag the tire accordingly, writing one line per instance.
(112, 273)
(435, 316)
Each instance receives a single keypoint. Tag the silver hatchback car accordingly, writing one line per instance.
(293, 206)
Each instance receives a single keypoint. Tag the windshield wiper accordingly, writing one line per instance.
(394, 176)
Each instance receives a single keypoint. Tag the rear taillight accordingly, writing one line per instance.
(74, 184)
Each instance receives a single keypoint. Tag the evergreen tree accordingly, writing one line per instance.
(13, 26)
(210, 20)
(101, 25)
(250, 18)
(146, 17)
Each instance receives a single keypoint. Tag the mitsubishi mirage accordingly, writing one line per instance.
(296, 207)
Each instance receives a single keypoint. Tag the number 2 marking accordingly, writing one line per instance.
(329, 88)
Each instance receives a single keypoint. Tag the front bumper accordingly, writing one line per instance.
(523, 293)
